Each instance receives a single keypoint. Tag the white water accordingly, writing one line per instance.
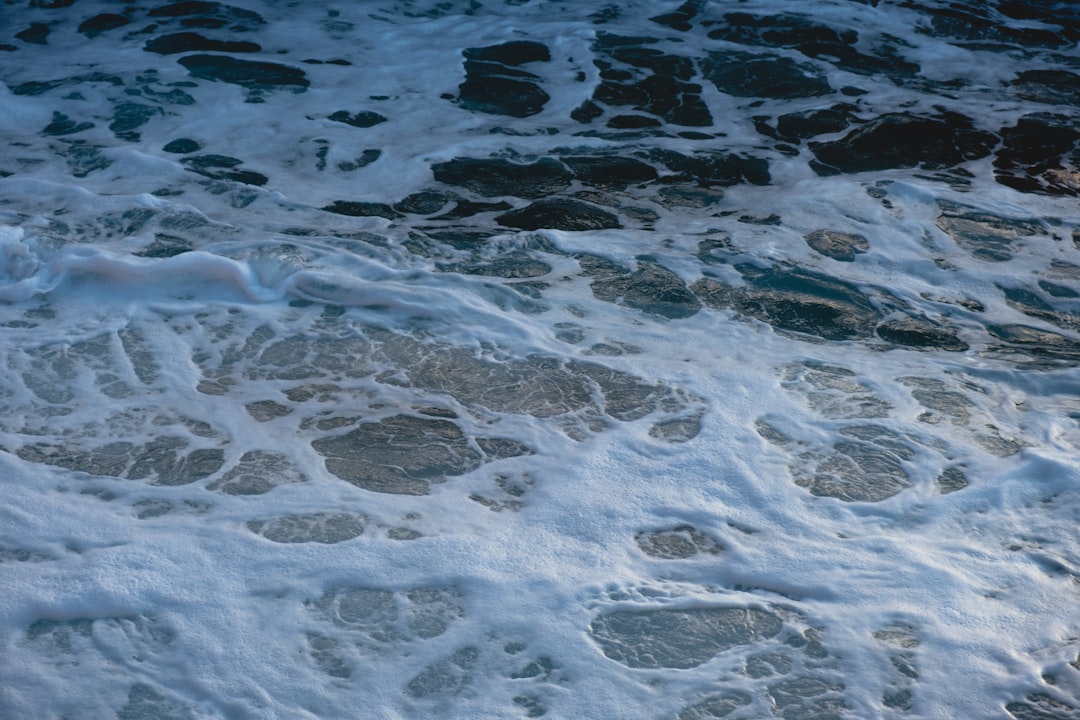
(134, 597)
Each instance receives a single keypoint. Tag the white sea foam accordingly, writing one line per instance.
(184, 355)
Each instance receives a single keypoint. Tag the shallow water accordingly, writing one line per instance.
(540, 359)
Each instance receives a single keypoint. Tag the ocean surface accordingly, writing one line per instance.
(477, 359)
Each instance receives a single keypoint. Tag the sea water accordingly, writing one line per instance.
(526, 358)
